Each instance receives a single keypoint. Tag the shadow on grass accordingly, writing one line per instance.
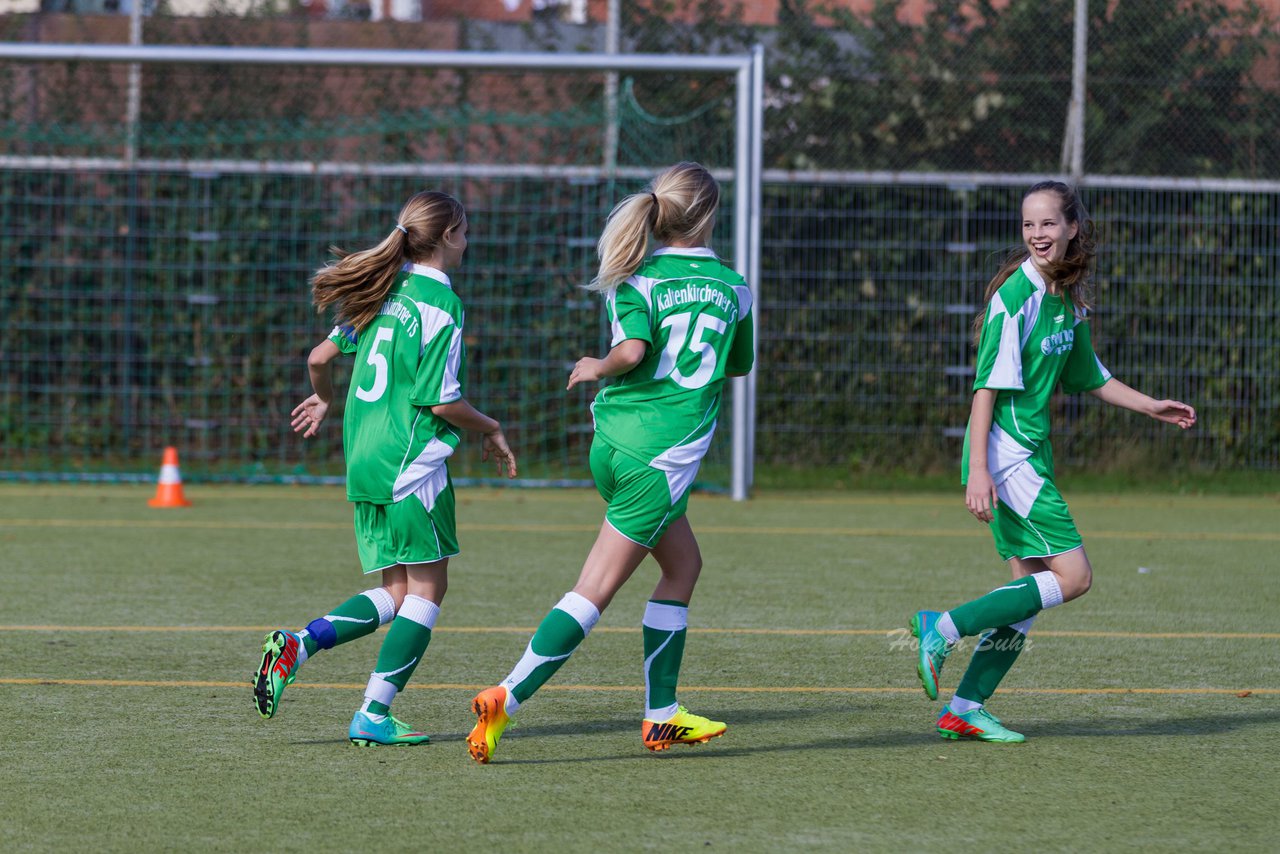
(718, 748)
(622, 723)
(1161, 727)
(923, 735)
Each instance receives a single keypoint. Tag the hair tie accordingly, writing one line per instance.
(402, 228)
(654, 196)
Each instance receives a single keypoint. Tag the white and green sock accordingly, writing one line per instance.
(561, 631)
(992, 658)
(664, 628)
(401, 652)
(1004, 606)
(360, 615)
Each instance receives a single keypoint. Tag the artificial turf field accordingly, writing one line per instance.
(128, 634)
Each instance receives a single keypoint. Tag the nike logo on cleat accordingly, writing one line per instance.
(668, 732)
(285, 663)
(954, 724)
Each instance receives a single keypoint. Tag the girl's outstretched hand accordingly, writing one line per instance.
(495, 445)
(980, 496)
(1173, 412)
(586, 370)
(309, 414)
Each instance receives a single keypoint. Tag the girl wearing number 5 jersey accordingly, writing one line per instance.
(399, 316)
(681, 323)
(1033, 338)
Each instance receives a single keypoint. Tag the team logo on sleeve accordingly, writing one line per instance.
(1058, 343)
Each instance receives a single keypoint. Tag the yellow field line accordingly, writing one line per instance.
(735, 530)
(693, 630)
(863, 498)
(1086, 501)
(717, 689)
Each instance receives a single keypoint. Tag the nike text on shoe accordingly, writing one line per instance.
(278, 668)
(681, 728)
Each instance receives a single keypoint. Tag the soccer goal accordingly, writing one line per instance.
(165, 206)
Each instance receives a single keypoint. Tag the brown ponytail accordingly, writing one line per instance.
(358, 282)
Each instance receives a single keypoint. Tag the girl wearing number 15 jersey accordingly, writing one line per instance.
(681, 323)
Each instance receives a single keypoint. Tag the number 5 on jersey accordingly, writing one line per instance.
(380, 368)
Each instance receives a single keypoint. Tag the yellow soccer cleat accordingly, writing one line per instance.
(680, 728)
(490, 707)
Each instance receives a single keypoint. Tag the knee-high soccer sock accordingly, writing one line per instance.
(559, 634)
(360, 615)
(401, 651)
(664, 627)
(992, 658)
(1003, 606)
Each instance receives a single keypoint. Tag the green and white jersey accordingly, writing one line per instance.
(694, 312)
(1031, 341)
(410, 358)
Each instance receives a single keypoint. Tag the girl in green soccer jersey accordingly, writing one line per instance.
(397, 312)
(1032, 337)
(681, 322)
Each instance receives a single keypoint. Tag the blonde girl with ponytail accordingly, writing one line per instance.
(399, 316)
(681, 323)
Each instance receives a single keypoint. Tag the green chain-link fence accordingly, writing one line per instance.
(168, 304)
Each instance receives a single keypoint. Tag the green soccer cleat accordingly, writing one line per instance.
(934, 650)
(364, 732)
(490, 706)
(278, 669)
(680, 728)
(978, 724)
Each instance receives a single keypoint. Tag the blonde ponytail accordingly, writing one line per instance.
(679, 206)
(625, 239)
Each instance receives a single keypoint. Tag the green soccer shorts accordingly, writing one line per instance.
(407, 532)
(1031, 518)
(643, 501)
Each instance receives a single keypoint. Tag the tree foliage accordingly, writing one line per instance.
(1172, 89)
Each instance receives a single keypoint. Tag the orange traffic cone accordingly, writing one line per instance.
(169, 490)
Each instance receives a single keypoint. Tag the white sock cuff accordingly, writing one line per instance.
(666, 618)
(421, 611)
(1024, 627)
(959, 705)
(947, 628)
(1050, 592)
(511, 704)
(664, 714)
(581, 609)
(384, 602)
(302, 648)
(380, 690)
